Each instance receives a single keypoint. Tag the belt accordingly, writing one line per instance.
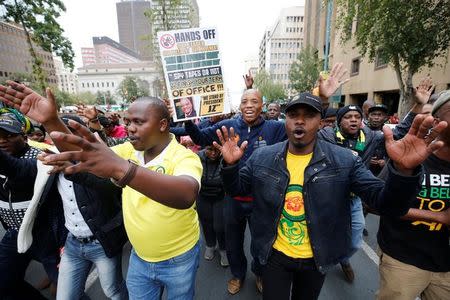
(85, 240)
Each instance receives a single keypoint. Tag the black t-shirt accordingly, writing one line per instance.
(422, 244)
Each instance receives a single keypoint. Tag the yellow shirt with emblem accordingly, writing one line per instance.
(158, 232)
(292, 236)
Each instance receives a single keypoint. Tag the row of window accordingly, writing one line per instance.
(356, 63)
(294, 29)
(283, 55)
(91, 84)
(7, 74)
(285, 45)
(279, 66)
(294, 19)
(279, 76)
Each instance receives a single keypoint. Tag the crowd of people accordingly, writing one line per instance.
(75, 188)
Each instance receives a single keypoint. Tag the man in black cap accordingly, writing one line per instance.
(329, 118)
(299, 228)
(15, 197)
(378, 115)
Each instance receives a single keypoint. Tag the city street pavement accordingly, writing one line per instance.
(212, 278)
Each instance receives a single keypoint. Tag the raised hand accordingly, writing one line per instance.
(87, 111)
(248, 79)
(416, 145)
(169, 107)
(229, 148)
(94, 156)
(29, 102)
(422, 93)
(334, 81)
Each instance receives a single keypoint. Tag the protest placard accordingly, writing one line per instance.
(193, 72)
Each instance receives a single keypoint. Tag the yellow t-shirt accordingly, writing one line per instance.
(292, 236)
(158, 232)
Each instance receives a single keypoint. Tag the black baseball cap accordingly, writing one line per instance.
(9, 123)
(75, 118)
(306, 99)
(381, 107)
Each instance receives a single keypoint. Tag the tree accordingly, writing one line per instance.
(409, 35)
(305, 70)
(38, 19)
(132, 88)
(270, 90)
(164, 15)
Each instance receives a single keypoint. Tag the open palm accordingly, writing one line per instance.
(417, 145)
(29, 102)
(329, 86)
(229, 148)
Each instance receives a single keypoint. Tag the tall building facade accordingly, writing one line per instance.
(368, 80)
(67, 80)
(15, 56)
(134, 26)
(107, 51)
(281, 44)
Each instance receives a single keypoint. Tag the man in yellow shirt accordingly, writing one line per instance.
(160, 181)
(301, 218)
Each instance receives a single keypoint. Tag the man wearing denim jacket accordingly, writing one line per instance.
(299, 227)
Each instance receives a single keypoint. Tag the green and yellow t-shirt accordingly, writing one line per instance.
(292, 237)
(158, 232)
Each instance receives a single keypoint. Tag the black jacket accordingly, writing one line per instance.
(331, 175)
(98, 200)
(212, 186)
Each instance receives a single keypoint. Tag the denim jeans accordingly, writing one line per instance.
(358, 224)
(12, 270)
(237, 214)
(147, 280)
(76, 262)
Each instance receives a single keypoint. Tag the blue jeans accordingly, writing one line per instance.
(237, 214)
(358, 224)
(76, 262)
(147, 280)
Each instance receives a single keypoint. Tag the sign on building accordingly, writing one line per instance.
(193, 73)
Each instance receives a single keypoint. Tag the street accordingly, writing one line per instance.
(212, 278)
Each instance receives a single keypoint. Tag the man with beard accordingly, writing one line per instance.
(250, 126)
(301, 215)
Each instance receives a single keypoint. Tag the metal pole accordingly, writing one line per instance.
(327, 34)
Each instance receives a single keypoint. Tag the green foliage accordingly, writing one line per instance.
(305, 70)
(104, 98)
(132, 88)
(38, 18)
(65, 99)
(407, 34)
(270, 90)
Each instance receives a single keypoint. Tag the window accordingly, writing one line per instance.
(107, 84)
(103, 84)
(112, 84)
(87, 84)
(380, 61)
(355, 66)
(98, 84)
